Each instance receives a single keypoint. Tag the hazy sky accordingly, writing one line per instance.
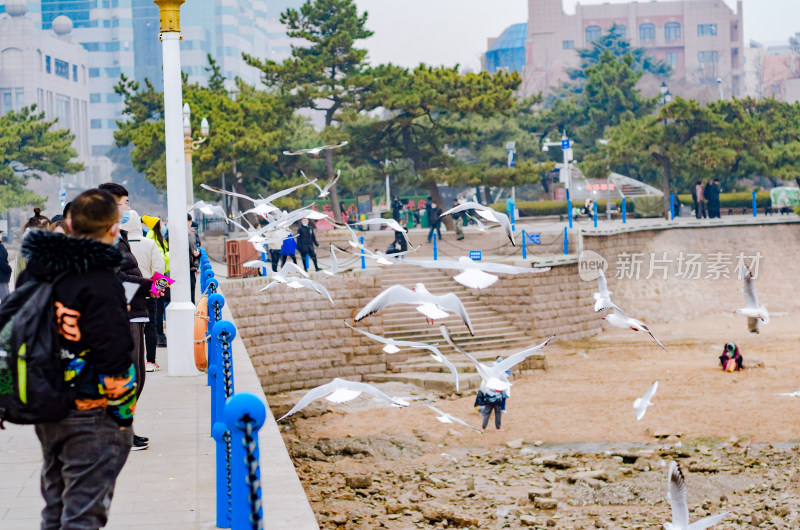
(408, 32)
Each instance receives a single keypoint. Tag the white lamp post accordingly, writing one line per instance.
(180, 311)
(189, 146)
(566, 148)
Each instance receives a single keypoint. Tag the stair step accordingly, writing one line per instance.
(439, 382)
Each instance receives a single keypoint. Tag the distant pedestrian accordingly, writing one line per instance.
(458, 222)
(5, 270)
(37, 221)
(288, 249)
(699, 201)
(84, 453)
(712, 195)
(493, 401)
(434, 218)
(731, 360)
(397, 207)
(156, 234)
(306, 241)
(194, 255)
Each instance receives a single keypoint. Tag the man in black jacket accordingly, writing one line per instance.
(306, 241)
(137, 313)
(84, 452)
(5, 270)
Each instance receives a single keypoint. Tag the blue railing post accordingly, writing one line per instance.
(435, 248)
(569, 208)
(624, 210)
(244, 416)
(755, 205)
(566, 241)
(363, 259)
(595, 213)
(207, 275)
(222, 335)
(672, 206)
(264, 259)
(222, 437)
(524, 245)
(215, 304)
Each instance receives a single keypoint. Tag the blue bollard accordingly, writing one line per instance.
(510, 206)
(569, 209)
(244, 416)
(363, 259)
(672, 206)
(211, 286)
(215, 304)
(566, 241)
(624, 210)
(207, 275)
(222, 386)
(595, 213)
(524, 245)
(223, 486)
(755, 205)
(435, 248)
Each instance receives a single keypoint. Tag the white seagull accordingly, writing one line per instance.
(619, 319)
(487, 213)
(255, 264)
(268, 207)
(394, 346)
(449, 418)
(282, 276)
(796, 393)
(474, 274)
(676, 494)
(323, 192)
(603, 298)
(431, 305)
(315, 150)
(212, 210)
(341, 390)
(494, 376)
(751, 309)
(641, 404)
(391, 223)
(334, 264)
(299, 283)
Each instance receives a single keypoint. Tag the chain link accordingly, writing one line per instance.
(227, 368)
(211, 288)
(226, 437)
(253, 482)
(217, 312)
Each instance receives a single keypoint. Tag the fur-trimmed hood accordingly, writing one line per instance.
(49, 253)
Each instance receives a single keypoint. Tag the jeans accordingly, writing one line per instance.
(192, 283)
(83, 455)
(305, 254)
(138, 354)
(497, 407)
(438, 230)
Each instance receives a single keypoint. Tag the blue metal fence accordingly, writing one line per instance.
(235, 420)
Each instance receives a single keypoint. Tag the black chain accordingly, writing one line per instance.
(226, 437)
(217, 312)
(253, 482)
(226, 364)
(211, 288)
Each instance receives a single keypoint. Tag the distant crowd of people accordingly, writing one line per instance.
(706, 199)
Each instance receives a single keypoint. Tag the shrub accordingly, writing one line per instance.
(539, 208)
(743, 199)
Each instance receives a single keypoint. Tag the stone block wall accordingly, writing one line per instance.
(297, 339)
(554, 302)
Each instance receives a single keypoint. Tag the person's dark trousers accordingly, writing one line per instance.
(83, 455)
(161, 305)
(698, 209)
(437, 229)
(192, 283)
(138, 354)
(497, 407)
(312, 255)
(283, 259)
(274, 258)
(150, 334)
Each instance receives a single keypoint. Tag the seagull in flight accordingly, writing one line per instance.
(488, 214)
(299, 283)
(641, 404)
(448, 418)
(315, 150)
(265, 204)
(394, 346)
(494, 376)
(796, 393)
(340, 391)
(431, 305)
(323, 192)
(751, 309)
(619, 319)
(676, 494)
(602, 298)
(282, 276)
(334, 264)
(474, 274)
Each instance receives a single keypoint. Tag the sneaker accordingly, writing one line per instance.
(139, 443)
(152, 367)
(161, 342)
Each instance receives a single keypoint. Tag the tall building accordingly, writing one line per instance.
(702, 40)
(50, 69)
(508, 50)
(772, 70)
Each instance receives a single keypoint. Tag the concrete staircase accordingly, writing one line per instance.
(494, 334)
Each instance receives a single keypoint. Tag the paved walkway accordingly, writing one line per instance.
(171, 484)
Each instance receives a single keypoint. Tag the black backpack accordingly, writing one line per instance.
(32, 385)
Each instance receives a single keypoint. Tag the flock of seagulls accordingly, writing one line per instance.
(472, 274)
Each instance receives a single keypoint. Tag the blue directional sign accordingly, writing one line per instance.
(475, 255)
(535, 238)
(565, 143)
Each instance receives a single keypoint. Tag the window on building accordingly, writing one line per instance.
(707, 57)
(8, 103)
(112, 46)
(91, 46)
(706, 30)
(112, 72)
(735, 58)
(592, 34)
(40, 98)
(20, 99)
(115, 22)
(106, 23)
(97, 124)
(620, 30)
(94, 72)
(672, 59)
(62, 111)
(568, 45)
(62, 68)
(113, 97)
(75, 73)
(672, 31)
(94, 98)
(111, 124)
(47, 63)
(647, 32)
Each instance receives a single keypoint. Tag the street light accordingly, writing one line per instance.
(180, 312)
(666, 96)
(189, 146)
(566, 149)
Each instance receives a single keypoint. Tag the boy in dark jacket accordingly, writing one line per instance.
(306, 241)
(84, 452)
